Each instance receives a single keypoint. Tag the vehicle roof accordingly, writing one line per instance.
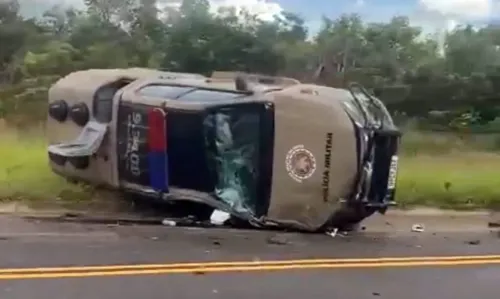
(257, 92)
(91, 79)
(87, 81)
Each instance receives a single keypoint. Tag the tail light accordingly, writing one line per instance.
(58, 110)
(157, 155)
(79, 113)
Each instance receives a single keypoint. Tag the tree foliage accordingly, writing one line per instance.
(412, 73)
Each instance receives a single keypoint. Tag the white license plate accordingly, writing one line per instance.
(393, 171)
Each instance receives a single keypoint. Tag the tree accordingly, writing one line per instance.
(411, 72)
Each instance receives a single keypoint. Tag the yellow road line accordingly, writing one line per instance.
(250, 263)
(248, 268)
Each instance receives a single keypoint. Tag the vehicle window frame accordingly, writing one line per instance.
(106, 102)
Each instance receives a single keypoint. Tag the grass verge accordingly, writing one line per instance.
(433, 171)
(446, 170)
(465, 180)
(25, 173)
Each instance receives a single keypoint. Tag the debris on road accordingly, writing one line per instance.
(474, 242)
(337, 232)
(72, 215)
(277, 240)
(494, 224)
(418, 228)
(215, 241)
(168, 222)
(219, 217)
(332, 233)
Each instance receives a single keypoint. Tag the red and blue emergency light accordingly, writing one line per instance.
(157, 155)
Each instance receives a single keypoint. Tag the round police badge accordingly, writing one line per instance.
(300, 163)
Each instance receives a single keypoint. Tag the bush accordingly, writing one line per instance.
(25, 103)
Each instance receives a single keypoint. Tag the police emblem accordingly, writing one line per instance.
(300, 163)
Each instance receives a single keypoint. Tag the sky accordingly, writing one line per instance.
(432, 15)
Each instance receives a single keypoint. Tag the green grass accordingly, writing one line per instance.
(435, 170)
(447, 170)
(457, 180)
(25, 173)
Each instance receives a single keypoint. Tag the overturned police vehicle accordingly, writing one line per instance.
(268, 151)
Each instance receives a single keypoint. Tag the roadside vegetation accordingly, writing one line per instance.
(449, 171)
(445, 92)
(434, 171)
(25, 174)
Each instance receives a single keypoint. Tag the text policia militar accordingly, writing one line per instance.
(326, 170)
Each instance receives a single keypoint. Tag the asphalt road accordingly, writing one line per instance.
(452, 258)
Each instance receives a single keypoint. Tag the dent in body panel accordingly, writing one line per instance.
(234, 153)
(312, 127)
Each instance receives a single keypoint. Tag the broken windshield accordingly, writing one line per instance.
(233, 139)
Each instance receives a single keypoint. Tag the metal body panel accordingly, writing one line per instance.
(132, 149)
(79, 87)
(311, 163)
(317, 122)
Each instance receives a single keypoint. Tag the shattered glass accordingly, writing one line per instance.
(233, 139)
